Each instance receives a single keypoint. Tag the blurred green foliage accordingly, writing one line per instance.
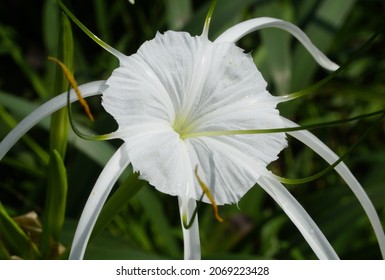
(147, 226)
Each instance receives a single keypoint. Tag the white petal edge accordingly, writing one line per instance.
(301, 219)
(329, 156)
(239, 30)
(51, 106)
(103, 186)
(191, 241)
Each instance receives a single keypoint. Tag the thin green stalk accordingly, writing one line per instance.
(59, 121)
(88, 32)
(208, 18)
(278, 130)
(332, 166)
(186, 224)
(77, 131)
(57, 176)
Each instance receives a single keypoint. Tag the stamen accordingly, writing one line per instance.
(205, 32)
(74, 85)
(332, 166)
(187, 225)
(78, 132)
(88, 32)
(279, 130)
(207, 192)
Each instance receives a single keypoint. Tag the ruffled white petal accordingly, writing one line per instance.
(324, 151)
(51, 106)
(163, 79)
(177, 84)
(310, 231)
(239, 30)
(230, 166)
(162, 159)
(103, 186)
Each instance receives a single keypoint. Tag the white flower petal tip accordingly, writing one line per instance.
(177, 85)
(103, 186)
(309, 229)
(236, 32)
(329, 156)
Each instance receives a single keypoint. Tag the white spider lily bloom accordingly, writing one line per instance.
(177, 85)
(174, 100)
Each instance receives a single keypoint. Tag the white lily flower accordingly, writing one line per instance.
(174, 100)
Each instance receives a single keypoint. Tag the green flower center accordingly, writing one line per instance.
(181, 126)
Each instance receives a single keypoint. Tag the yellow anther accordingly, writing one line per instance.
(209, 196)
(74, 85)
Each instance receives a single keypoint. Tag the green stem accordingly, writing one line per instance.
(331, 167)
(208, 18)
(56, 198)
(278, 130)
(76, 130)
(91, 35)
(188, 225)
